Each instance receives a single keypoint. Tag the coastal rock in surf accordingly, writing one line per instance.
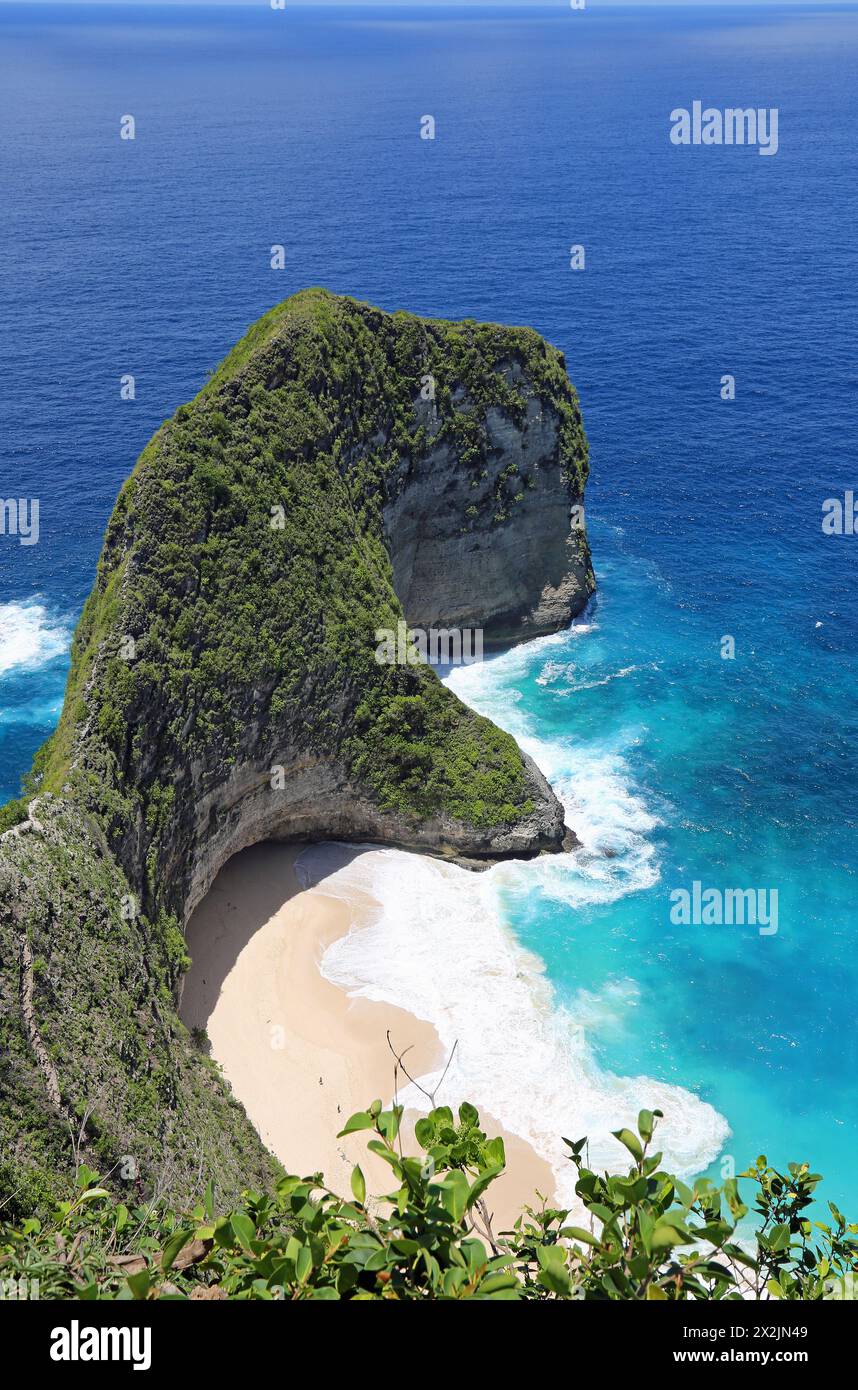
(342, 471)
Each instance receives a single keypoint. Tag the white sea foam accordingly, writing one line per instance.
(438, 945)
(592, 781)
(555, 672)
(29, 636)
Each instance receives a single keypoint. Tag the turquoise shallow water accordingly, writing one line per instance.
(684, 766)
(704, 515)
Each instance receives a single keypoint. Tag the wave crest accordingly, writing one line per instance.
(30, 637)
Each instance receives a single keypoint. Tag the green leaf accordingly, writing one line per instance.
(243, 1229)
(631, 1141)
(495, 1152)
(645, 1124)
(556, 1279)
(358, 1185)
(375, 1146)
(91, 1194)
(304, 1264)
(578, 1233)
(734, 1202)
(497, 1283)
(172, 1248)
(223, 1233)
(388, 1122)
(424, 1132)
(478, 1187)
(361, 1120)
(406, 1247)
(576, 1145)
(665, 1237)
(549, 1255)
(139, 1284)
(455, 1190)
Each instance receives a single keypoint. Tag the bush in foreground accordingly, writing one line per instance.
(647, 1235)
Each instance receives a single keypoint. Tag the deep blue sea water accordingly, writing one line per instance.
(257, 127)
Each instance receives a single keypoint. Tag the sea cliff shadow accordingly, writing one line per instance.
(248, 891)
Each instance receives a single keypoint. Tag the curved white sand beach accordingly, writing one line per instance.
(299, 1053)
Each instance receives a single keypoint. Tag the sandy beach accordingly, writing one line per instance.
(299, 1053)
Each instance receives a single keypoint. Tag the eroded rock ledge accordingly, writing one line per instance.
(343, 469)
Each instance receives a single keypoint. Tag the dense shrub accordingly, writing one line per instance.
(645, 1235)
(13, 813)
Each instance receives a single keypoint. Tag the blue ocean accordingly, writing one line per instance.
(682, 756)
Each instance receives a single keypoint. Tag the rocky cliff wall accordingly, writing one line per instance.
(491, 549)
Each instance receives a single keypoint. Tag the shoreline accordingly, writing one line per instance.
(300, 1053)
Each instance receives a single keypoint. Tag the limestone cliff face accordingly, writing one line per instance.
(317, 802)
(514, 581)
(344, 469)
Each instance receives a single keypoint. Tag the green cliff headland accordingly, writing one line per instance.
(343, 470)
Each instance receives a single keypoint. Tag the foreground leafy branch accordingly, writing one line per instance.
(646, 1235)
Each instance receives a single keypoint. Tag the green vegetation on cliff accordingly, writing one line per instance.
(270, 486)
(93, 1059)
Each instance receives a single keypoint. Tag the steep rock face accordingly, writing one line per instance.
(317, 802)
(512, 581)
(344, 469)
